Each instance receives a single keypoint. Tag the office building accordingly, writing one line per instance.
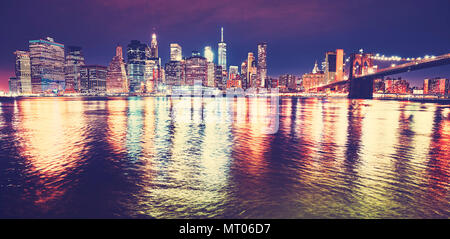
(154, 47)
(93, 79)
(208, 54)
(175, 52)
(47, 65)
(116, 76)
(438, 86)
(73, 63)
(23, 71)
(196, 70)
(173, 73)
(137, 54)
(262, 63)
(222, 52)
(14, 86)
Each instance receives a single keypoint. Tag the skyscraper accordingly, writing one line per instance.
(330, 67)
(116, 76)
(154, 46)
(208, 54)
(262, 63)
(74, 61)
(173, 72)
(222, 52)
(251, 71)
(136, 57)
(334, 66)
(93, 79)
(175, 52)
(233, 72)
(47, 65)
(23, 71)
(196, 71)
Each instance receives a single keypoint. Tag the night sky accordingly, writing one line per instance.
(297, 32)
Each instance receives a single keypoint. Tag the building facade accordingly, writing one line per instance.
(116, 76)
(93, 79)
(137, 54)
(72, 66)
(438, 86)
(262, 63)
(222, 52)
(23, 71)
(196, 71)
(47, 65)
(175, 52)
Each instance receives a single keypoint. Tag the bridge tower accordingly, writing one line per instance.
(360, 65)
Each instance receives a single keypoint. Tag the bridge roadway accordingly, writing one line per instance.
(362, 86)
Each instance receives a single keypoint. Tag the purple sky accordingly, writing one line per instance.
(297, 32)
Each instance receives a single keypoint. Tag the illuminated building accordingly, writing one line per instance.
(93, 79)
(233, 72)
(14, 85)
(208, 54)
(339, 65)
(439, 86)
(313, 79)
(196, 70)
(218, 77)
(287, 82)
(396, 86)
(152, 74)
(74, 61)
(175, 52)
(154, 47)
(334, 66)
(378, 86)
(116, 76)
(211, 70)
(222, 52)
(23, 71)
(136, 56)
(173, 72)
(251, 71)
(47, 65)
(262, 63)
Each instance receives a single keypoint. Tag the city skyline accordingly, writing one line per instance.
(282, 43)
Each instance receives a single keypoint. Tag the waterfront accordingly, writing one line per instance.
(158, 157)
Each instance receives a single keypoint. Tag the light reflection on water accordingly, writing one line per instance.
(210, 158)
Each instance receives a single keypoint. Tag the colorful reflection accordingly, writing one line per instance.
(212, 157)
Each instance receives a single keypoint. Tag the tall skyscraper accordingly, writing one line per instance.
(262, 63)
(196, 71)
(330, 67)
(175, 52)
(251, 71)
(233, 72)
(47, 65)
(116, 76)
(211, 71)
(93, 79)
(136, 57)
(222, 52)
(154, 46)
(339, 65)
(173, 72)
(14, 86)
(74, 61)
(23, 71)
(334, 66)
(208, 54)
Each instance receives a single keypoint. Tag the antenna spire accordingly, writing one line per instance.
(221, 36)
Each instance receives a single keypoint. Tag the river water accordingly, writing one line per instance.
(160, 157)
